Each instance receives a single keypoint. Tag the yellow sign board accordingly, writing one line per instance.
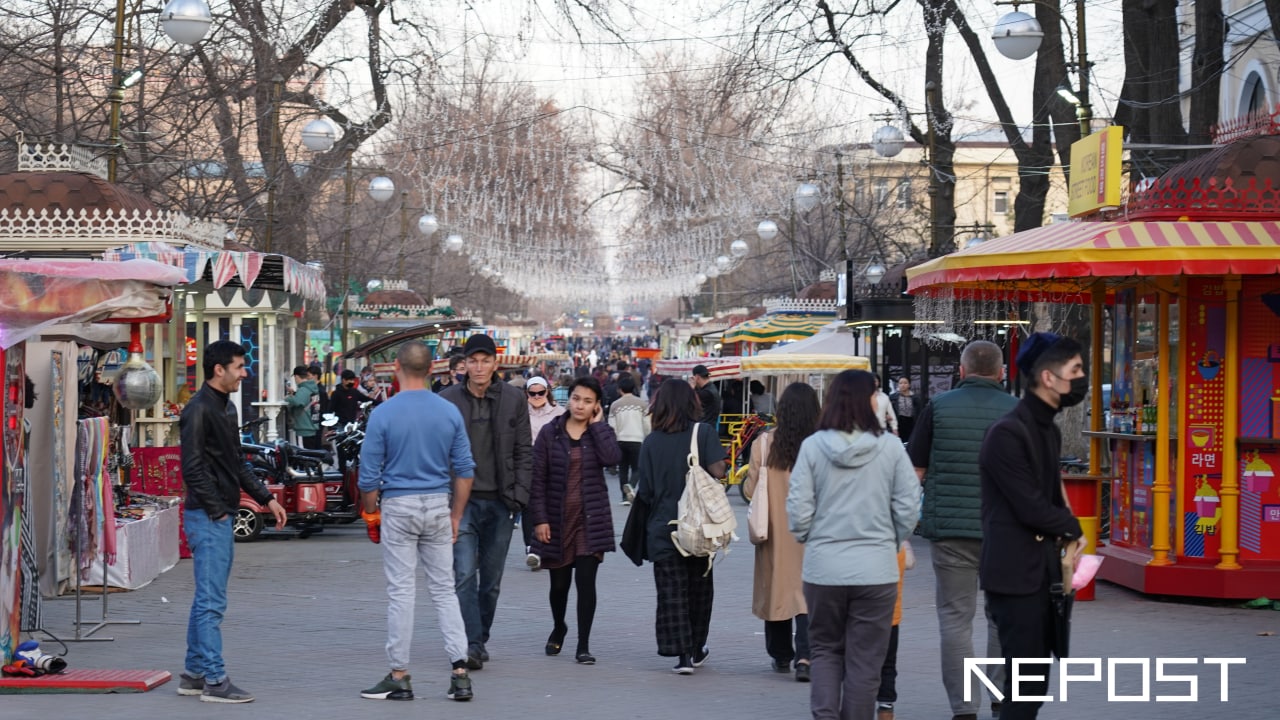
(1095, 172)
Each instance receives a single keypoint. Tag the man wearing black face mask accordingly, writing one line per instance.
(1024, 511)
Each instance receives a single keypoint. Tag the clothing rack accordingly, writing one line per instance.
(32, 609)
(108, 514)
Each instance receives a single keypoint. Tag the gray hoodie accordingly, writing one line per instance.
(854, 499)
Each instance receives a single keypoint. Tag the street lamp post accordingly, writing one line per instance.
(1017, 36)
(185, 22)
(319, 136)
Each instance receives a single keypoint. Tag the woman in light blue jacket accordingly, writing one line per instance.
(854, 498)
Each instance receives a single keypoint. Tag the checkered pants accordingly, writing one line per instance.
(684, 605)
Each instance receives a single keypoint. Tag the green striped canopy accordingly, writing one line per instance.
(776, 328)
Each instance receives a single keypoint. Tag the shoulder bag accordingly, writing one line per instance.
(758, 511)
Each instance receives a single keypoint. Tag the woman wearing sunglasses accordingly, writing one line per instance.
(542, 410)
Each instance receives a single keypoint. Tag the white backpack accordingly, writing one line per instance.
(704, 519)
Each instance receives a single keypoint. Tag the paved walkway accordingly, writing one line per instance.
(305, 633)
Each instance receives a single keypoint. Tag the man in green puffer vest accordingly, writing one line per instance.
(944, 450)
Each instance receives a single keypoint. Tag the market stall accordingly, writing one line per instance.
(1186, 279)
(785, 320)
(35, 296)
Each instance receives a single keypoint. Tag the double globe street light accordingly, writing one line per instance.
(806, 198)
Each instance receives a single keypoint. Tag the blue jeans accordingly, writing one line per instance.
(478, 560)
(212, 550)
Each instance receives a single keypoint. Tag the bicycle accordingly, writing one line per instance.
(742, 433)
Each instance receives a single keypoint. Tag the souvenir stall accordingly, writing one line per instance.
(59, 203)
(1185, 279)
(35, 296)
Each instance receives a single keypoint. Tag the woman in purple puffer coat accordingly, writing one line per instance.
(569, 508)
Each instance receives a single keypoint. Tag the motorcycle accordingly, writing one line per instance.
(342, 496)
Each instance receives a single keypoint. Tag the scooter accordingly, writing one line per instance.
(295, 477)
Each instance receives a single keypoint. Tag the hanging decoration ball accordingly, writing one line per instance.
(700, 278)
(887, 141)
(319, 135)
(381, 188)
(137, 386)
(807, 196)
(739, 248)
(767, 230)
(453, 243)
(723, 262)
(712, 272)
(428, 225)
(1017, 35)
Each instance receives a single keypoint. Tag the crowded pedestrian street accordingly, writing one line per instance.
(306, 628)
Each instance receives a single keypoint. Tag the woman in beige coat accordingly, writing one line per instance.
(778, 597)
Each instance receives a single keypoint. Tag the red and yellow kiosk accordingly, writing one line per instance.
(1184, 278)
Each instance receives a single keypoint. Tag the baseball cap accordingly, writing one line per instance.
(536, 380)
(701, 371)
(1033, 348)
(477, 344)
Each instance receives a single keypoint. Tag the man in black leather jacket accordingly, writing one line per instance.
(214, 473)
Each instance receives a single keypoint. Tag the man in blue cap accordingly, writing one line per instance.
(1025, 516)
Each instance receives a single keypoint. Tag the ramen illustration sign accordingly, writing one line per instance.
(1095, 172)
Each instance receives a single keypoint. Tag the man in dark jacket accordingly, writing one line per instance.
(1025, 514)
(496, 416)
(214, 473)
(944, 450)
(346, 398)
(708, 396)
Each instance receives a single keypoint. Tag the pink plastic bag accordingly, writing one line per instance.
(1086, 567)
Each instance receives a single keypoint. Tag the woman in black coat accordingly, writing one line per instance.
(569, 508)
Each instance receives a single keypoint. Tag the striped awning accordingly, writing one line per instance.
(777, 327)
(803, 364)
(721, 368)
(1108, 249)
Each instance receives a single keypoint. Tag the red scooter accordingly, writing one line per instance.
(295, 478)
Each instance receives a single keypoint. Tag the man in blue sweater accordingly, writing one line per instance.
(417, 456)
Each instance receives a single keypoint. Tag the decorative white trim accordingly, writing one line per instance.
(24, 229)
(797, 305)
(58, 157)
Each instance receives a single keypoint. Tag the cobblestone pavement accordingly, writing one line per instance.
(305, 632)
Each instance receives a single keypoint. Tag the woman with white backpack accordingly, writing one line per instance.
(684, 584)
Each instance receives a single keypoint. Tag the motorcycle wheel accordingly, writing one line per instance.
(247, 526)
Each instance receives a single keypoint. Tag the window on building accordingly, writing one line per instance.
(904, 193)
(1254, 97)
(1000, 201)
(882, 191)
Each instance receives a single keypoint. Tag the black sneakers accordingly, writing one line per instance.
(684, 666)
(389, 688)
(700, 657)
(188, 685)
(460, 687)
(223, 692)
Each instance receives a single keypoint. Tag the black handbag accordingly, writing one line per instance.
(1061, 600)
(635, 534)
